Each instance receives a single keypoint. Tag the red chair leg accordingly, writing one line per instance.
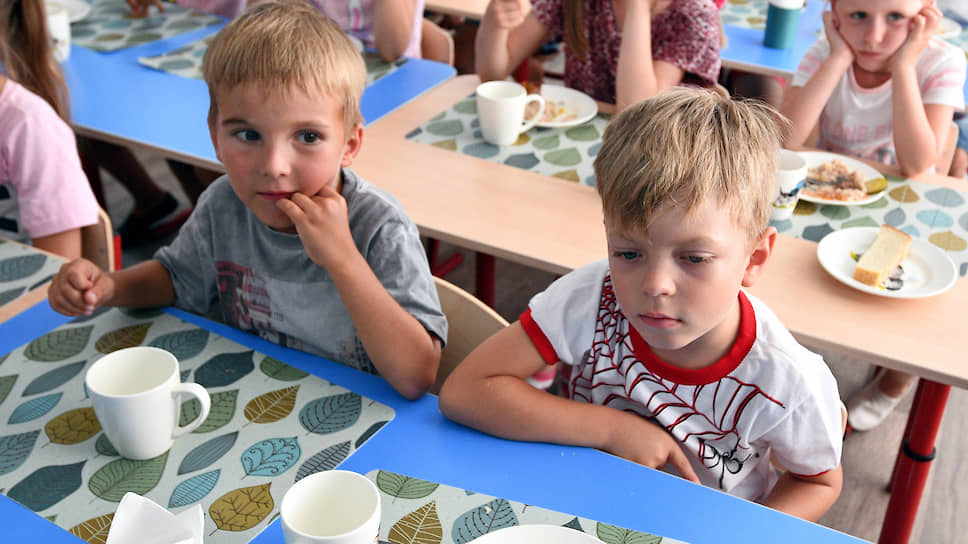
(484, 278)
(441, 269)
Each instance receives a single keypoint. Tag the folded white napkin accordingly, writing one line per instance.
(141, 521)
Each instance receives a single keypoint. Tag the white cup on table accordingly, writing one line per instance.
(331, 507)
(137, 397)
(59, 29)
(791, 174)
(501, 106)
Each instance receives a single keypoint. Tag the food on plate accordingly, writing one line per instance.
(890, 247)
(832, 180)
(554, 112)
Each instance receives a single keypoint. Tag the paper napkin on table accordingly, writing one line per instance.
(142, 521)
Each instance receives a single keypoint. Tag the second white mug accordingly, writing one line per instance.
(790, 175)
(137, 397)
(331, 507)
(500, 108)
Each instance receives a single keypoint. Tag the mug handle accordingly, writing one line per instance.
(528, 123)
(199, 392)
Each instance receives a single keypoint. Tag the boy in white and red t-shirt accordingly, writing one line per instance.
(671, 363)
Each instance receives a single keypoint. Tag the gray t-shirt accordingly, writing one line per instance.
(263, 282)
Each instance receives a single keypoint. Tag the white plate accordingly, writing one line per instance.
(576, 102)
(816, 158)
(949, 28)
(535, 534)
(927, 270)
(76, 9)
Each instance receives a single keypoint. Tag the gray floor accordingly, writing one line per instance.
(868, 457)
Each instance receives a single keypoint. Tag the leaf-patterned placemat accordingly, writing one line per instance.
(936, 214)
(417, 510)
(745, 13)
(22, 269)
(270, 424)
(186, 61)
(566, 153)
(109, 27)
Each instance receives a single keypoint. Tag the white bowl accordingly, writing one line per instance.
(537, 534)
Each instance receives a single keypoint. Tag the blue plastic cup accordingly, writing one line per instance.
(781, 26)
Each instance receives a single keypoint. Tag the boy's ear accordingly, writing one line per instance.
(762, 250)
(354, 141)
(211, 133)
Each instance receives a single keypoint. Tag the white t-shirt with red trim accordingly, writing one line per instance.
(768, 393)
(859, 122)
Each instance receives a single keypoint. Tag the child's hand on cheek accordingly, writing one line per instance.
(322, 224)
(838, 45)
(922, 27)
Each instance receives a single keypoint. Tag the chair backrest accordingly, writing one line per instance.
(436, 43)
(469, 322)
(98, 243)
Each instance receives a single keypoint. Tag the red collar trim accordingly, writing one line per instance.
(712, 373)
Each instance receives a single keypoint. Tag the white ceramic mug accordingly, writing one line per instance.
(790, 175)
(331, 507)
(59, 29)
(500, 107)
(137, 397)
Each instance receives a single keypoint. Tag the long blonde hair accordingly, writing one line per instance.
(26, 54)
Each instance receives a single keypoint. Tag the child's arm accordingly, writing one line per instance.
(803, 497)
(803, 105)
(509, 33)
(919, 129)
(80, 287)
(401, 349)
(488, 391)
(638, 76)
(67, 244)
(392, 26)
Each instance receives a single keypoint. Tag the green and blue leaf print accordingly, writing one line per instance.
(53, 379)
(327, 459)
(59, 344)
(194, 489)
(281, 371)
(330, 414)
(492, 516)
(182, 344)
(120, 476)
(47, 486)
(18, 268)
(207, 453)
(611, 534)
(221, 412)
(369, 432)
(10, 294)
(14, 449)
(271, 457)
(6, 384)
(34, 408)
(224, 369)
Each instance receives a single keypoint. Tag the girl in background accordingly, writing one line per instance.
(619, 51)
(883, 87)
(45, 198)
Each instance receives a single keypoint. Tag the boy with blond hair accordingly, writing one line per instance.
(667, 360)
(290, 244)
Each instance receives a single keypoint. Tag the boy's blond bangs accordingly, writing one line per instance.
(685, 146)
(286, 44)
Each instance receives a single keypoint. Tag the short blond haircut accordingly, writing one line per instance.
(286, 44)
(683, 147)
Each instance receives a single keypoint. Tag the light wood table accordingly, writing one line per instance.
(553, 225)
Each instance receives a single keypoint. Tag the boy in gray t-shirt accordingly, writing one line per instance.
(290, 245)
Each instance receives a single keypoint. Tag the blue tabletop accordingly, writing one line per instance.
(420, 442)
(115, 96)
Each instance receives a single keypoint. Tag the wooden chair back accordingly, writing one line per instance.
(436, 43)
(98, 243)
(469, 322)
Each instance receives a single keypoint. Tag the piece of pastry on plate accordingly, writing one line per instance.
(889, 248)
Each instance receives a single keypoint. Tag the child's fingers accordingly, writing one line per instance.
(679, 460)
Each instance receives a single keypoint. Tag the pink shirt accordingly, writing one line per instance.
(686, 34)
(355, 17)
(43, 190)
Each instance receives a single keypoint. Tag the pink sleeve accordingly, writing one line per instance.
(53, 194)
(687, 35)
